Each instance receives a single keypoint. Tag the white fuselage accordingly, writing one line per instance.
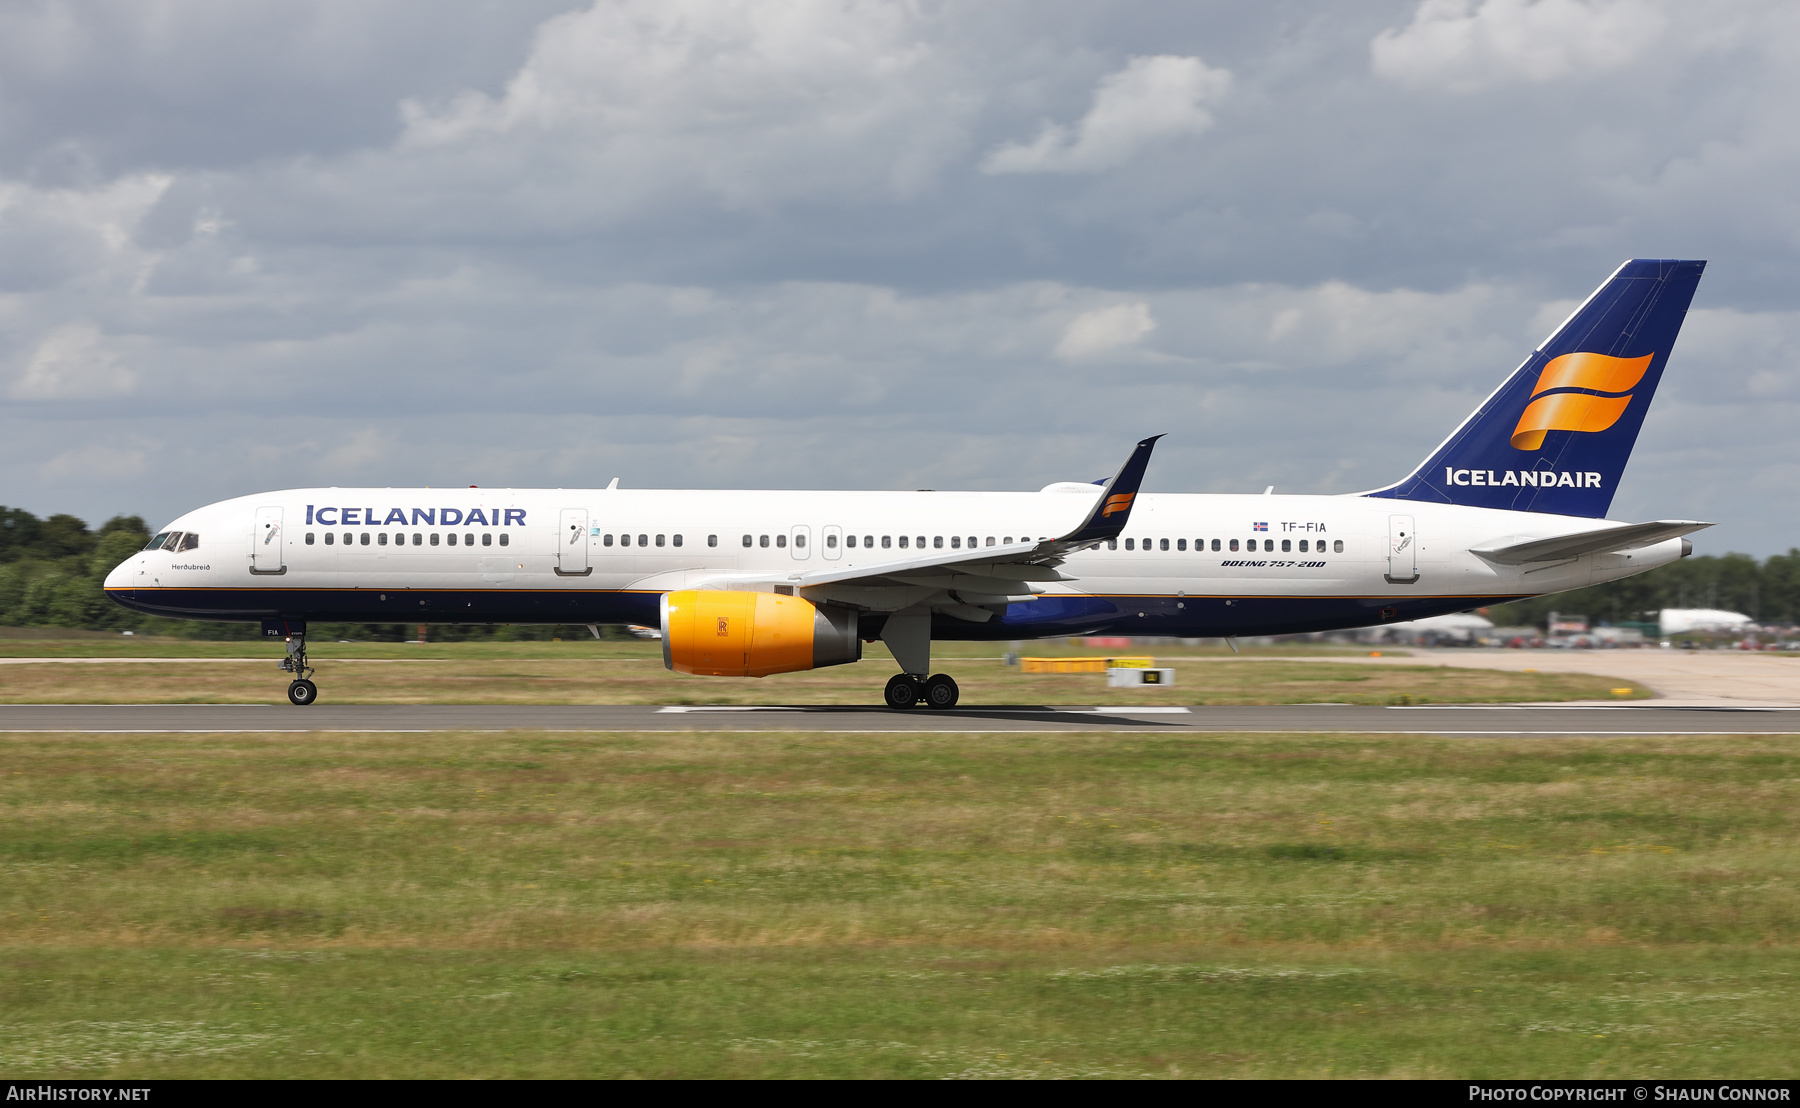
(1187, 565)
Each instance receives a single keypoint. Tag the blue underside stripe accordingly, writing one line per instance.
(1045, 617)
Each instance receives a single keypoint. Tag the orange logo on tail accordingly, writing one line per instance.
(1117, 503)
(1578, 411)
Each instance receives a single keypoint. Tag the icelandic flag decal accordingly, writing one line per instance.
(1260, 526)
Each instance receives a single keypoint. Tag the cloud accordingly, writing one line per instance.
(745, 102)
(1151, 100)
(73, 363)
(1105, 331)
(1468, 45)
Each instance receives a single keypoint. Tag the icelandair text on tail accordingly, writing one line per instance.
(1543, 479)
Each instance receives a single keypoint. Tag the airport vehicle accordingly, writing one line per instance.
(747, 584)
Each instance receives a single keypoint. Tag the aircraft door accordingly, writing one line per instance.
(266, 542)
(572, 544)
(799, 541)
(833, 538)
(1403, 551)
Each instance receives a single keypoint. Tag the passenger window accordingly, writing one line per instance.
(503, 539)
(1112, 544)
(1286, 545)
(1181, 544)
(763, 542)
(831, 542)
(1233, 544)
(1337, 546)
(956, 542)
(381, 539)
(868, 542)
(1269, 545)
(434, 538)
(971, 542)
(676, 540)
(902, 542)
(365, 538)
(329, 538)
(1131, 544)
(937, 542)
(190, 541)
(1165, 544)
(799, 540)
(659, 540)
(606, 540)
(309, 538)
(1302, 546)
(746, 540)
(487, 539)
(922, 542)
(990, 541)
(1008, 541)
(1216, 545)
(712, 540)
(849, 542)
(781, 542)
(885, 541)
(643, 540)
(418, 539)
(450, 539)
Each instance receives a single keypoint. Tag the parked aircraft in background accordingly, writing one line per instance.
(746, 584)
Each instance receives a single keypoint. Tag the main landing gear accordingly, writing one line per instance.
(938, 691)
(301, 690)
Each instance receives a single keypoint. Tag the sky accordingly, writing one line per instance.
(837, 244)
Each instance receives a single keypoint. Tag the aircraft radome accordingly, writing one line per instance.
(1511, 505)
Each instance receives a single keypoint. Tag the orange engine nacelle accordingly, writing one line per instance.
(753, 634)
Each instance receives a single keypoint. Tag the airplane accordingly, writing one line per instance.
(751, 583)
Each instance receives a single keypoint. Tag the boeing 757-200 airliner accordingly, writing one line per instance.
(746, 584)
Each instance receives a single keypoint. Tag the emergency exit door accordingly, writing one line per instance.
(1403, 551)
(266, 542)
(572, 544)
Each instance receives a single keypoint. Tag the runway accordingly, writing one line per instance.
(1512, 720)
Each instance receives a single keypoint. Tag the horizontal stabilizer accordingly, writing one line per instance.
(1609, 539)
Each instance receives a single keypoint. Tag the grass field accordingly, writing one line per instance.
(692, 904)
(632, 673)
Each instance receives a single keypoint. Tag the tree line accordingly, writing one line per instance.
(51, 572)
(1767, 591)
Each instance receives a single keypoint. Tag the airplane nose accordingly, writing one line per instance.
(120, 577)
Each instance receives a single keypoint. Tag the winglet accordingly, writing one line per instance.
(1113, 509)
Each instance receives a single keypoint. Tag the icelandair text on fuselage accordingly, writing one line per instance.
(1543, 479)
(421, 517)
(1626, 1093)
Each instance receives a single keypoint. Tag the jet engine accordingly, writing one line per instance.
(718, 633)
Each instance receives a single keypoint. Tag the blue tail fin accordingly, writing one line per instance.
(1555, 437)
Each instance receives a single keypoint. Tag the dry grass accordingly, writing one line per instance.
(632, 673)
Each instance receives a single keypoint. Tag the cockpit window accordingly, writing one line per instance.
(156, 543)
(190, 541)
(173, 541)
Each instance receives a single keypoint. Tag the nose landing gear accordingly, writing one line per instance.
(300, 690)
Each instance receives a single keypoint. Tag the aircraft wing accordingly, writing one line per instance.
(1019, 562)
(1604, 540)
